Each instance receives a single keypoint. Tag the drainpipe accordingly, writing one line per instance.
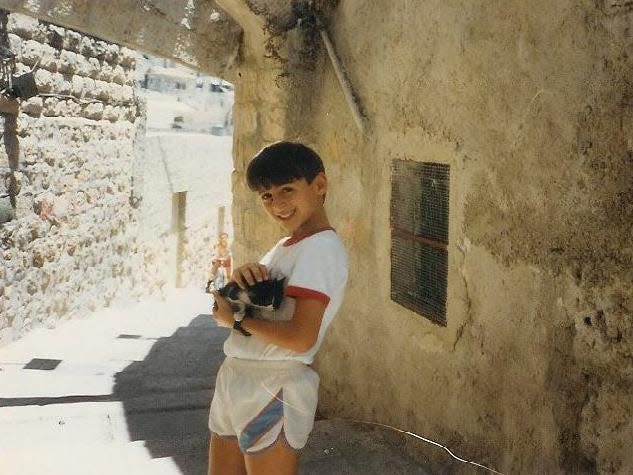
(348, 92)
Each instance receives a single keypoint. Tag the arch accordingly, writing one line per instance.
(197, 34)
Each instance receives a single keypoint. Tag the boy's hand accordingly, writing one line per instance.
(222, 311)
(249, 274)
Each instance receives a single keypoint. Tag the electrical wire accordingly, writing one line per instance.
(411, 434)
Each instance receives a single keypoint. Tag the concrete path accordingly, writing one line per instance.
(127, 391)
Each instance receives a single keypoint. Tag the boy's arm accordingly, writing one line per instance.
(299, 334)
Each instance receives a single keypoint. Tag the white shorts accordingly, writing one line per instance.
(255, 400)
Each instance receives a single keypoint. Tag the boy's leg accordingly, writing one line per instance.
(225, 457)
(280, 459)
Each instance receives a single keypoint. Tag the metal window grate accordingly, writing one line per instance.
(419, 237)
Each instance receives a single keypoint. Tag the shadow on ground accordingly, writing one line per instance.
(166, 399)
(166, 396)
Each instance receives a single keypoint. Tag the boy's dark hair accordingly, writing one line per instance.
(281, 163)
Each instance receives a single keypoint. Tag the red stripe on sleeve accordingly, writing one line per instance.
(292, 291)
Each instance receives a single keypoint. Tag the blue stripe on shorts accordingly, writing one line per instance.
(263, 422)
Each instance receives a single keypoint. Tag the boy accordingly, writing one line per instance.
(266, 394)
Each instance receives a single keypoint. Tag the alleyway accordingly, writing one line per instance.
(126, 391)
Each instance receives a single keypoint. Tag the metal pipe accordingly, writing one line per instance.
(350, 97)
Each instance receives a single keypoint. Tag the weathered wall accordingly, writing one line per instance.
(67, 162)
(530, 106)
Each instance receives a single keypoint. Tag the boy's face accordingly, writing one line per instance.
(298, 205)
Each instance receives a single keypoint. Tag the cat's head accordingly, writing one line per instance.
(262, 294)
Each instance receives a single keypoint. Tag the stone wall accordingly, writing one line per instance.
(70, 152)
(91, 197)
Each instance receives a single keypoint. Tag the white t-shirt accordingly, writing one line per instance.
(316, 266)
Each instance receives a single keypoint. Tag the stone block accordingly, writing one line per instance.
(95, 67)
(112, 53)
(106, 72)
(127, 94)
(87, 46)
(101, 48)
(25, 124)
(41, 54)
(83, 66)
(127, 57)
(33, 106)
(7, 213)
(15, 43)
(68, 62)
(55, 36)
(73, 41)
(45, 81)
(118, 74)
(89, 87)
(24, 204)
(22, 25)
(102, 90)
(93, 111)
(49, 107)
(40, 34)
(77, 86)
(131, 113)
(115, 92)
(51, 154)
(73, 108)
(111, 113)
(64, 83)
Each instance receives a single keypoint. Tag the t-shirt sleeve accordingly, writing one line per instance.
(319, 272)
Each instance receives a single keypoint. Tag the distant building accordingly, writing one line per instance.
(181, 99)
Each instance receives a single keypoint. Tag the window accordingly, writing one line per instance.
(419, 237)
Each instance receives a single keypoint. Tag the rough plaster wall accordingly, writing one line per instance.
(272, 101)
(68, 250)
(530, 106)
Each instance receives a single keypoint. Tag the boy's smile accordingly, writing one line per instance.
(297, 205)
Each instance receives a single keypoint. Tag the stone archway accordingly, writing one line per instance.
(260, 46)
(201, 36)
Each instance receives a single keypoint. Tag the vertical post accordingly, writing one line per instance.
(179, 208)
(221, 214)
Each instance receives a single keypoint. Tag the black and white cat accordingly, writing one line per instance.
(260, 300)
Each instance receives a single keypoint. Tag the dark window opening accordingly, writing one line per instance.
(419, 237)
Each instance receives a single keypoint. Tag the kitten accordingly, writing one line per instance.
(256, 301)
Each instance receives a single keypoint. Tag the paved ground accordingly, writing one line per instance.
(127, 391)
